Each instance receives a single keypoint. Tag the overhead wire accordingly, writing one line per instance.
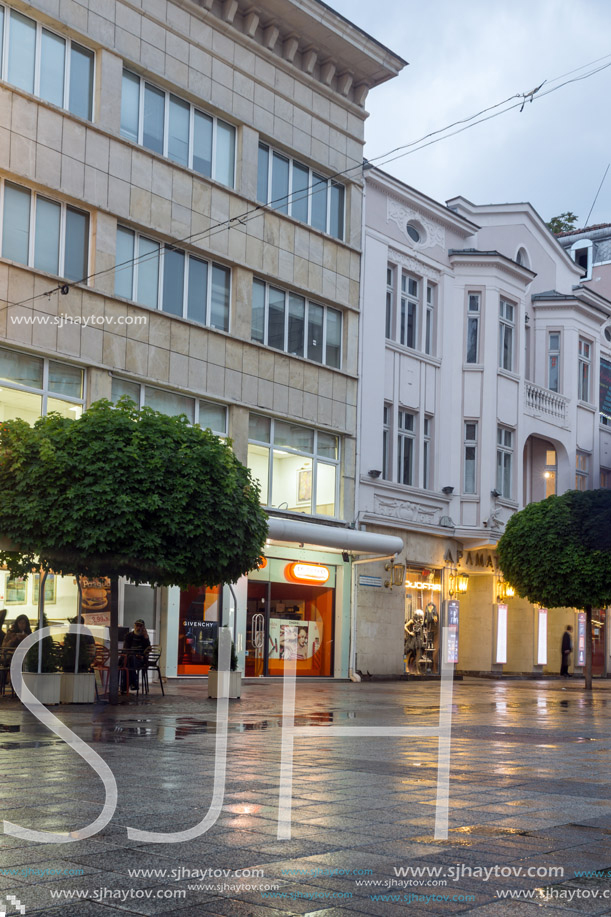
(403, 150)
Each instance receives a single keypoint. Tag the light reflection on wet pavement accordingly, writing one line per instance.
(530, 781)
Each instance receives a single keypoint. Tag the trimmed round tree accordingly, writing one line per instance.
(127, 492)
(557, 553)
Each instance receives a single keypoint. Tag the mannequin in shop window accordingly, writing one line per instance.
(414, 640)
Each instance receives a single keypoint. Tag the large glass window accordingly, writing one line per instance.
(172, 127)
(386, 457)
(584, 364)
(429, 319)
(470, 453)
(293, 188)
(297, 467)
(33, 386)
(60, 241)
(473, 320)
(46, 64)
(506, 334)
(290, 323)
(582, 471)
(208, 414)
(406, 439)
(170, 279)
(390, 301)
(409, 310)
(553, 361)
(427, 452)
(504, 462)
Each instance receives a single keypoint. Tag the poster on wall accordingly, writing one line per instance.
(95, 600)
(501, 635)
(542, 636)
(453, 609)
(581, 638)
(293, 639)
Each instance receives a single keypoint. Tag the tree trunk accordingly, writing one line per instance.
(588, 672)
(113, 681)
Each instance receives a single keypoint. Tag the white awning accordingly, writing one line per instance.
(350, 540)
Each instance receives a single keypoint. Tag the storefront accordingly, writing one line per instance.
(423, 609)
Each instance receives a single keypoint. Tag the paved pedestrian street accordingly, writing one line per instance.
(529, 813)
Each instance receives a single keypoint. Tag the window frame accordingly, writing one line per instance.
(507, 327)
(427, 452)
(163, 247)
(313, 456)
(429, 325)
(504, 456)
(474, 316)
(404, 436)
(307, 304)
(406, 301)
(554, 354)
(68, 43)
(142, 386)
(387, 441)
(61, 255)
(143, 83)
(314, 178)
(470, 443)
(584, 369)
(588, 246)
(391, 274)
(582, 470)
(45, 392)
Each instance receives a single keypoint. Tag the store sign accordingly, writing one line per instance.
(262, 564)
(581, 638)
(501, 635)
(431, 587)
(542, 636)
(452, 627)
(314, 574)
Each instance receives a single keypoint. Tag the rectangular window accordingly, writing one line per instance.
(582, 471)
(168, 278)
(605, 478)
(604, 392)
(47, 65)
(473, 319)
(470, 453)
(585, 361)
(553, 361)
(297, 467)
(504, 461)
(427, 453)
(506, 334)
(288, 322)
(405, 447)
(293, 188)
(60, 241)
(429, 319)
(390, 302)
(208, 414)
(386, 469)
(192, 138)
(32, 387)
(409, 310)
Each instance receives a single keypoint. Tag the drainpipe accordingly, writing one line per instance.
(352, 675)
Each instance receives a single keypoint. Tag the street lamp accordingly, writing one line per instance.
(504, 591)
(458, 583)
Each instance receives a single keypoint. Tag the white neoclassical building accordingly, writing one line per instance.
(480, 363)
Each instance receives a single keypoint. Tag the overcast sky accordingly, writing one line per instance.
(465, 55)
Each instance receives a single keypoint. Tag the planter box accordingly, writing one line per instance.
(44, 686)
(232, 681)
(77, 688)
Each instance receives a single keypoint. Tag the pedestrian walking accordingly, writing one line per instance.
(567, 649)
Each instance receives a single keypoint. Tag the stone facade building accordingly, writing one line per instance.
(181, 223)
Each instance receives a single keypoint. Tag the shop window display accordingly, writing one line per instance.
(422, 621)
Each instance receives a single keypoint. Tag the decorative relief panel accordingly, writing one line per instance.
(407, 510)
(433, 233)
(413, 265)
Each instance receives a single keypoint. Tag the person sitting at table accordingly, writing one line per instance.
(138, 643)
(18, 631)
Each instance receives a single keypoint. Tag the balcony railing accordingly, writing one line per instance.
(543, 403)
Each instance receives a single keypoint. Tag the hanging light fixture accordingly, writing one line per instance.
(462, 583)
(503, 590)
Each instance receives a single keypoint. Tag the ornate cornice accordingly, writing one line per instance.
(414, 265)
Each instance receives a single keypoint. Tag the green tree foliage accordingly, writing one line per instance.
(127, 492)
(557, 553)
(564, 222)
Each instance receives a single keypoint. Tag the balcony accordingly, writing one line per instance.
(544, 404)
